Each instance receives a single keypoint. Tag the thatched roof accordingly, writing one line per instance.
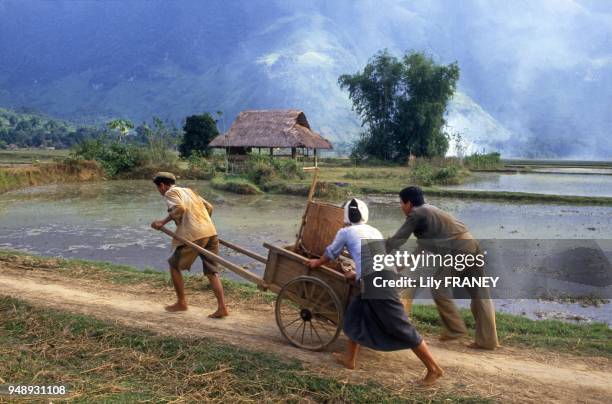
(271, 128)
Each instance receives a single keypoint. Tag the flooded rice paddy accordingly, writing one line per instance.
(591, 183)
(109, 221)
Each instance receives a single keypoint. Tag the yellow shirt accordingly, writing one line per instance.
(190, 213)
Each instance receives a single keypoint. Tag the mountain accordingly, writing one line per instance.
(32, 129)
(535, 75)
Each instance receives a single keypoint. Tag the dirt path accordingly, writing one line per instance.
(509, 374)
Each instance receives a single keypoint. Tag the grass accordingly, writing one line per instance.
(489, 161)
(338, 179)
(509, 196)
(391, 179)
(236, 184)
(48, 173)
(29, 156)
(127, 275)
(362, 174)
(554, 335)
(99, 361)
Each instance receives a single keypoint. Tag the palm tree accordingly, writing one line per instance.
(122, 126)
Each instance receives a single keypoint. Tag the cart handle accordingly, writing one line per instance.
(246, 274)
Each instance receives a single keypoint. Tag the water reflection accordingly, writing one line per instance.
(549, 183)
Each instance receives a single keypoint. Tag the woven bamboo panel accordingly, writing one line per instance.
(322, 223)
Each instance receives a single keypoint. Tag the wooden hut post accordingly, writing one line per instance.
(271, 152)
(293, 153)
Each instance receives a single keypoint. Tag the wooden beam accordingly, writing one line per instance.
(298, 258)
(238, 270)
(243, 250)
(311, 192)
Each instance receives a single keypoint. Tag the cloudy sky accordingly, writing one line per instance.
(535, 75)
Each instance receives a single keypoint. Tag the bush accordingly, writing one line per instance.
(489, 161)
(288, 169)
(325, 189)
(115, 158)
(132, 159)
(440, 171)
(333, 190)
(122, 158)
(446, 175)
(260, 171)
(235, 184)
(422, 174)
(160, 138)
(90, 149)
(263, 170)
(200, 167)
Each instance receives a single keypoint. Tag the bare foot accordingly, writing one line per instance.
(445, 337)
(474, 345)
(177, 307)
(220, 313)
(431, 377)
(341, 359)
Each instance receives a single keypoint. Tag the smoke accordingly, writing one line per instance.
(536, 76)
(541, 69)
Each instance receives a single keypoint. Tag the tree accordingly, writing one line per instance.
(199, 130)
(122, 126)
(401, 103)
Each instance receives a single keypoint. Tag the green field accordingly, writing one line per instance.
(29, 156)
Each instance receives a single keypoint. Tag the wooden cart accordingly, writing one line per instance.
(311, 301)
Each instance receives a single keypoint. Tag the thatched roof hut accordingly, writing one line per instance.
(271, 129)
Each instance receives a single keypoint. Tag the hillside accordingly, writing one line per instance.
(33, 129)
(542, 94)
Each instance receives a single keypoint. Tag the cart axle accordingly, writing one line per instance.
(306, 314)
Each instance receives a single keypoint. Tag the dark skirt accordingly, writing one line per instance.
(380, 324)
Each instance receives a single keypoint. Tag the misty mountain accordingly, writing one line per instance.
(535, 75)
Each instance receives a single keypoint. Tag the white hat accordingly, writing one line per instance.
(353, 207)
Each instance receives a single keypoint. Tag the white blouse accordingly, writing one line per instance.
(350, 237)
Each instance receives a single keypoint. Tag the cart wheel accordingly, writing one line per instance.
(308, 313)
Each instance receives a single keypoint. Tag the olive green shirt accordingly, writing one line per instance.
(436, 231)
